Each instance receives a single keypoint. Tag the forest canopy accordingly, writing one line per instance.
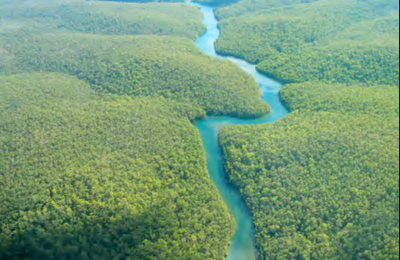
(99, 158)
(337, 41)
(89, 40)
(141, 65)
(88, 176)
(379, 100)
(105, 17)
(323, 183)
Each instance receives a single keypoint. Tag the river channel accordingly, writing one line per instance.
(243, 241)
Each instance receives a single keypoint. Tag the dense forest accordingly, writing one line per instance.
(243, 7)
(99, 158)
(322, 183)
(142, 65)
(378, 100)
(337, 41)
(84, 176)
(171, 67)
(104, 18)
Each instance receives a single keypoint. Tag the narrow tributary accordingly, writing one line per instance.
(243, 242)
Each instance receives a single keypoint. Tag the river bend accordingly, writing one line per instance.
(243, 241)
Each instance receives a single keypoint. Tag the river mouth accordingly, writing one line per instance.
(243, 242)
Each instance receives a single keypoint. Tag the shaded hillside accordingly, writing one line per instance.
(103, 177)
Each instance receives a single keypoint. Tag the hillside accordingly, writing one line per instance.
(85, 176)
(376, 100)
(141, 65)
(104, 17)
(121, 48)
(322, 183)
(253, 6)
(99, 158)
(337, 41)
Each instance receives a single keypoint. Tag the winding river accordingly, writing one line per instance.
(243, 242)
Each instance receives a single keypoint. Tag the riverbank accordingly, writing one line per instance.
(243, 241)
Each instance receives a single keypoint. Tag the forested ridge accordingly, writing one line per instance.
(99, 158)
(85, 176)
(296, 41)
(142, 65)
(376, 100)
(106, 18)
(148, 65)
(322, 183)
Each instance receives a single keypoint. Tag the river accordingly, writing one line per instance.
(243, 241)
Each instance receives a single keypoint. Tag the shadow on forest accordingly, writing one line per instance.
(132, 236)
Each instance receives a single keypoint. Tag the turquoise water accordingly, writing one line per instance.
(243, 242)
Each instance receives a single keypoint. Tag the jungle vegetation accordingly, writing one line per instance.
(324, 182)
(98, 155)
(379, 100)
(337, 41)
(151, 65)
(89, 176)
(142, 65)
(98, 148)
(103, 17)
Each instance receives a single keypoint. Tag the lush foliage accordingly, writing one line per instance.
(252, 6)
(338, 41)
(142, 65)
(99, 159)
(379, 100)
(322, 183)
(89, 177)
(117, 18)
(102, 161)
(37, 37)
(106, 18)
